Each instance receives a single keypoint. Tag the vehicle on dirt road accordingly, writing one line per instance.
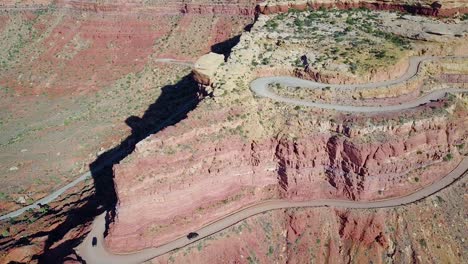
(192, 235)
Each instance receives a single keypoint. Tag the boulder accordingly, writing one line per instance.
(205, 67)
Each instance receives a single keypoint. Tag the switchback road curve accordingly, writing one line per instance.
(261, 87)
(100, 255)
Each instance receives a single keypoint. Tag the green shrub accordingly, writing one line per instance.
(448, 157)
(298, 22)
(270, 251)
(5, 233)
(271, 24)
(422, 242)
(353, 67)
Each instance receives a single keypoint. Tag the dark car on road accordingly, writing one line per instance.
(192, 235)
(94, 242)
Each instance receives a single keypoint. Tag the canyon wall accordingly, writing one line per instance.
(240, 7)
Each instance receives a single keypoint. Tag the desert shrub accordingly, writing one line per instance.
(353, 67)
(298, 22)
(448, 157)
(422, 242)
(271, 24)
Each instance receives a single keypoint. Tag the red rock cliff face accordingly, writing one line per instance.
(190, 177)
(240, 7)
(428, 8)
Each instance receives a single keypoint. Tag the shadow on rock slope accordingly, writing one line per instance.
(171, 107)
(225, 47)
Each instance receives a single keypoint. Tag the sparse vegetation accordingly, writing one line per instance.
(5, 233)
(422, 242)
(252, 258)
(270, 250)
(448, 157)
(347, 37)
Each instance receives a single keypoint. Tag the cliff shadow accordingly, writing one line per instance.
(172, 106)
(226, 46)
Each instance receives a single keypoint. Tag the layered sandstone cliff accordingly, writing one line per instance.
(190, 175)
(422, 7)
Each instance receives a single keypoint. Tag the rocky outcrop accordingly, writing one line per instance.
(205, 68)
(430, 8)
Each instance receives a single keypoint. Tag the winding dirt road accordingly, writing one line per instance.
(174, 61)
(99, 254)
(261, 87)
